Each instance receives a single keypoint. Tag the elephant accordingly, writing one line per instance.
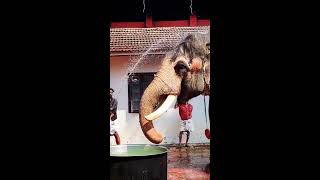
(184, 73)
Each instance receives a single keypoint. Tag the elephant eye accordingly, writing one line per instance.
(181, 69)
(208, 45)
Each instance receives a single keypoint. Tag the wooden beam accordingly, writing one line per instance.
(193, 20)
(178, 23)
(149, 23)
(128, 25)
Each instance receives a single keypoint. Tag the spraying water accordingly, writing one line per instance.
(135, 62)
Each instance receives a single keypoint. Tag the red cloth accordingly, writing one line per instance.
(207, 133)
(185, 111)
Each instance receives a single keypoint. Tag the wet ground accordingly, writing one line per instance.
(189, 163)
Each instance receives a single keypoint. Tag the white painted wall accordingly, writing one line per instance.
(168, 125)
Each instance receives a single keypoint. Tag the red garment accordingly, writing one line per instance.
(207, 133)
(185, 111)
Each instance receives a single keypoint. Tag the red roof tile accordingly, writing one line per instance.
(128, 41)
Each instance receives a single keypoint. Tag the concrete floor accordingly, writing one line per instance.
(189, 163)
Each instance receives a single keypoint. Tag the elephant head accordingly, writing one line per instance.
(184, 73)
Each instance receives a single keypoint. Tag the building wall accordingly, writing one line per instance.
(168, 125)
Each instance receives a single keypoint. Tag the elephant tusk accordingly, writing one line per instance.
(170, 100)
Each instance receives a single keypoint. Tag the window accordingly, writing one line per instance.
(137, 83)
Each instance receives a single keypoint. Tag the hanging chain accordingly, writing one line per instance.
(144, 5)
(205, 110)
(204, 97)
(191, 7)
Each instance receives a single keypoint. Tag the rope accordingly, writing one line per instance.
(144, 6)
(205, 110)
(191, 8)
(204, 97)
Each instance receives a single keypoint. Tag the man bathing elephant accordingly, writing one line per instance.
(186, 125)
(183, 75)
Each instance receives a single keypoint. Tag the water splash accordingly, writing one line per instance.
(135, 62)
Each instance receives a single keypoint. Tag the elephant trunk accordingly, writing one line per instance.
(165, 83)
(148, 102)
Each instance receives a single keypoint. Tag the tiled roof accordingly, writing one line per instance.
(128, 41)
